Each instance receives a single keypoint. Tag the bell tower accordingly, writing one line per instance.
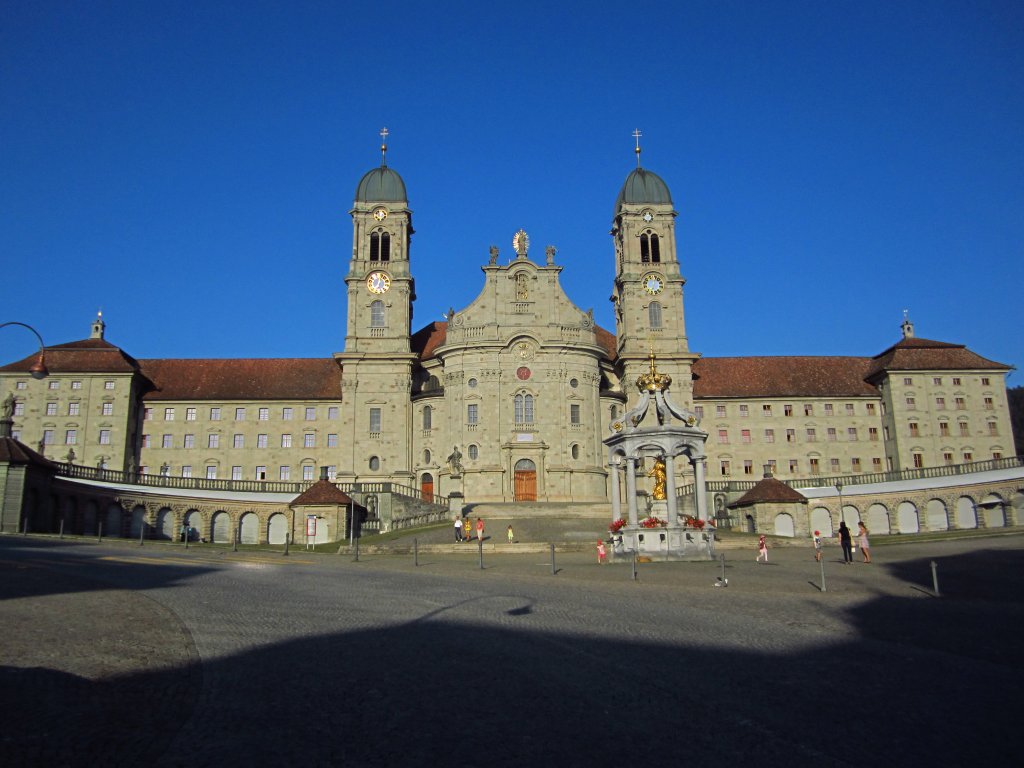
(377, 361)
(648, 290)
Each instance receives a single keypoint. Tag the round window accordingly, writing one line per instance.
(472, 383)
(573, 383)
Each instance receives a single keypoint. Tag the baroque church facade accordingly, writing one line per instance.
(511, 397)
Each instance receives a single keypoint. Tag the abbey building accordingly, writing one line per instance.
(511, 397)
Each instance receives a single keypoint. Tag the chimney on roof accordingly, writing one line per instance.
(907, 327)
(98, 326)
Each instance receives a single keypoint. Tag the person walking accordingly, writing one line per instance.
(458, 529)
(817, 546)
(863, 543)
(762, 549)
(602, 553)
(479, 529)
(846, 542)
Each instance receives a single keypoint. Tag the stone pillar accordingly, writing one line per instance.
(616, 503)
(670, 490)
(631, 490)
(699, 487)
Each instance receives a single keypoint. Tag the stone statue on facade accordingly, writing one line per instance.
(494, 255)
(455, 461)
(549, 253)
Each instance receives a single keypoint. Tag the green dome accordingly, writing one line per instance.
(381, 185)
(644, 187)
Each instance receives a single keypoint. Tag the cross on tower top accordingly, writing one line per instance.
(636, 135)
(384, 146)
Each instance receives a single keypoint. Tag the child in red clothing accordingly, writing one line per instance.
(602, 553)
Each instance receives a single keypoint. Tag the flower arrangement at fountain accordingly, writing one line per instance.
(617, 525)
(653, 522)
(694, 522)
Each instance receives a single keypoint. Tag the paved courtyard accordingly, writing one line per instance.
(116, 654)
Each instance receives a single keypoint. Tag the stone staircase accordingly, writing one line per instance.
(551, 510)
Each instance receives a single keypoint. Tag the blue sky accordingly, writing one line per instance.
(189, 167)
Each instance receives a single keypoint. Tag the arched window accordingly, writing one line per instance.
(374, 246)
(474, 452)
(426, 457)
(374, 463)
(426, 417)
(654, 314)
(655, 249)
(524, 409)
(575, 451)
(650, 248)
(380, 246)
(377, 314)
(645, 249)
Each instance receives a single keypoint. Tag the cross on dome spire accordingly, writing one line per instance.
(636, 135)
(384, 132)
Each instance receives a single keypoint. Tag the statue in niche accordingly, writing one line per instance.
(522, 287)
(658, 473)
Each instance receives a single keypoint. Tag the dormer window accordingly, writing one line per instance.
(650, 248)
(380, 246)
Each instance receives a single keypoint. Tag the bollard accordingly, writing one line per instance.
(99, 536)
(634, 565)
(480, 548)
(287, 536)
(554, 571)
(24, 528)
(61, 534)
(416, 552)
(721, 558)
(142, 533)
(234, 540)
(935, 578)
(822, 564)
(357, 549)
(186, 538)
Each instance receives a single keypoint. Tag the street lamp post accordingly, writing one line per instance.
(38, 369)
(839, 488)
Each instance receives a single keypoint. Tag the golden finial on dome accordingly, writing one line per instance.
(384, 146)
(653, 381)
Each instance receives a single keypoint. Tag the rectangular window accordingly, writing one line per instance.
(213, 441)
(104, 437)
(724, 468)
(828, 409)
(51, 409)
(855, 463)
(74, 385)
(307, 472)
(968, 457)
(873, 434)
(262, 441)
(699, 410)
(769, 435)
(849, 409)
(965, 429)
(332, 441)
(812, 435)
(944, 428)
(918, 460)
(190, 441)
(937, 381)
(723, 436)
(748, 467)
(908, 382)
(147, 414)
(239, 414)
(720, 411)
(815, 469)
(310, 414)
(834, 466)
(911, 404)
(71, 437)
(772, 468)
(471, 413)
(190, 414)
(744, 435)
(940, 403)
(961, 404)
(993, 428)
(215, 414)
(22, 385)
(107, 409)
(168, 414)
(996, 455)
(832, 437)
(54, 385)
(787, 410)
(309, 440)
(108, 385)
(956, 381)
(790, 435)
(989, 405)
(285, 473)
(808, 409)
(146, 441)
(286, 414)
(574, 413)
(167, 441)
(871, 409)
(186, 470)
(914, 431)
(264, 414)
(766, 409)
(744, 411)
(261, 473)
(19, 408)
(332, 471)
(73, 409)
(286, 441)
(794, 466)
(332, 412)
(851, 434)
(876, 464)
(375, 419)
(47, 437)
(947, 458)
(236, 473)
(238, 441)
(211, 472)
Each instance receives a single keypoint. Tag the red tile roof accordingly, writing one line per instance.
(782, 377)
(85, 356)
(13, 451)
(428, 338)
(243, 379)
(607, 340)
(322, 492)
(916, 354)
(769, 490)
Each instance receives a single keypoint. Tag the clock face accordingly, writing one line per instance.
(648, 217)
(653, 283)
(380, 214)
(378, 282)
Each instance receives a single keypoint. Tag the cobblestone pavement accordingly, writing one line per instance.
(115, 654)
